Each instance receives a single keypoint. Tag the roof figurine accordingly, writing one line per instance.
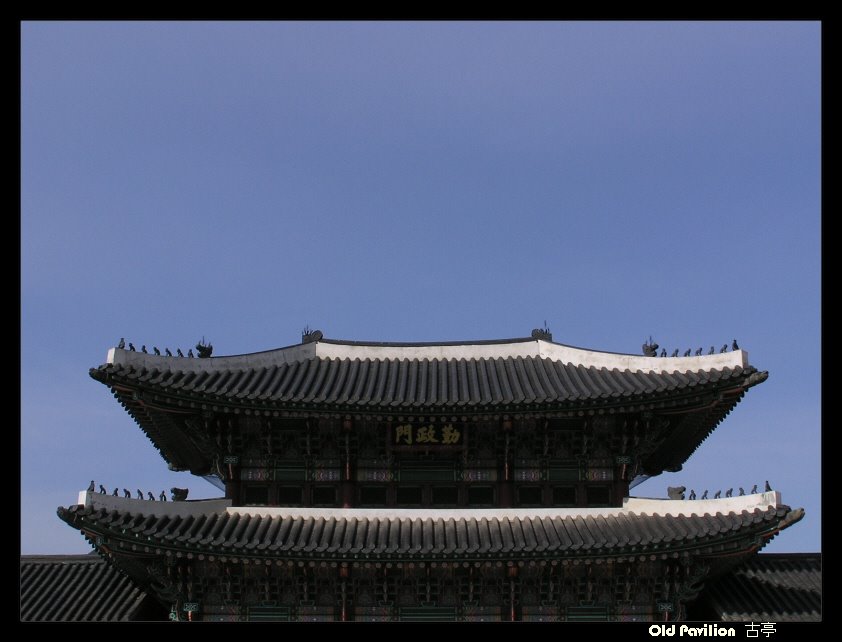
(162, 497)
(734, 346)
(150, 496)
(131, 346)
(717, 494)
(663, 352)
(675, 353)
(768, 487)
(742, 492)
(190, 353)
(116, 492)
(92, 487)
(102, 490)
(688, 351)
(705, 494)
(754, 490)
(156, 351)
(698, 352)
(724, 348)
(692, 494)
(127, 493)
(729, 492)
(712, 350)
(143, 349)
(167, 352)
(139, 494)
(179, 352)
(122, 343)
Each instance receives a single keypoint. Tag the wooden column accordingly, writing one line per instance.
(348, 471)
(505, 488)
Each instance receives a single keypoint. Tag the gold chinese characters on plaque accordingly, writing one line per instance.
(426, 435)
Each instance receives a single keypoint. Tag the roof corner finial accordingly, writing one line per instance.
(310, 336)
(542, 334)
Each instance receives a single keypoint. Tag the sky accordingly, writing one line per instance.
(417, 182)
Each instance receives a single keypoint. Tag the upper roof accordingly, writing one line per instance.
(80, 588)
(475, 375)
(439, 351)
(773, 587)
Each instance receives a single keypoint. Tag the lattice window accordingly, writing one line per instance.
(492, 588)
(289, 445)
(484, 442)
(549, 585)
(529, 590)
(371, 438)
(528, 439)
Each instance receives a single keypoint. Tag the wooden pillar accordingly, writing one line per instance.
(347, 495)
(348, 471)
(505, 490)
(232, 482)
(512, 580)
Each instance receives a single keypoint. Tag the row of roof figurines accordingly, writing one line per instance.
(178, 494)
(205, 350)
(650, 349)
(677, 492)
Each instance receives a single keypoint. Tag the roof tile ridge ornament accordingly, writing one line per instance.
(542, 334)
(205, 350)
(756, 377)
(311, 336)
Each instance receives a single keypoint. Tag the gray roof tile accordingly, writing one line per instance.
(391, 383)
(80, 588)
(601, 534)
(773, 587)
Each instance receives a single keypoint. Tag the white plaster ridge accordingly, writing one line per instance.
(532, 348)
(726, 505)
(265, 359)
(636, 505)
(147, 507)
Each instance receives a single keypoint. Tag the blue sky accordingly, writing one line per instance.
(417, 182)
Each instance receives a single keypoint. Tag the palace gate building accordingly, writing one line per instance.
(480, 480)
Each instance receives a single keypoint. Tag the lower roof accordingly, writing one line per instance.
(80, 588)
(349, 534)
(775, 587)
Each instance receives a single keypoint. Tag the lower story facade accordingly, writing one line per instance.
(646, 561)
